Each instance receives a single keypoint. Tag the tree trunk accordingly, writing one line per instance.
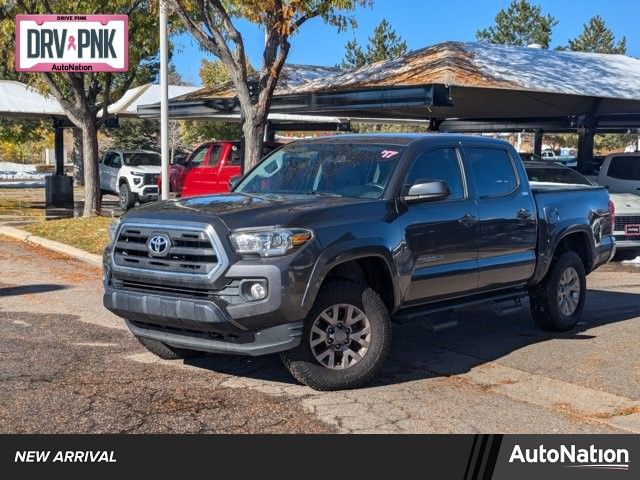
(253, 132)
(90, 160)
(78, 164)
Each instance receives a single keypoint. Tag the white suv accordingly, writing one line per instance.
(130, 174)
(620, 173)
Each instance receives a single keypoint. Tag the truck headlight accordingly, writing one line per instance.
(271, 242)
(113, 228)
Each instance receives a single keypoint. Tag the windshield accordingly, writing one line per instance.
(346, 169)
(141, 159)
(556, 175)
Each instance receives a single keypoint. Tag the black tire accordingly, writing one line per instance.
(304, 366)
(622, 256)
(167, 352)
(126, 197)
(545, 302)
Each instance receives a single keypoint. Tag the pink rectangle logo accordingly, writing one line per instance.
(72, 43)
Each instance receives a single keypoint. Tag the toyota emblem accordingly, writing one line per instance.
(158, 245)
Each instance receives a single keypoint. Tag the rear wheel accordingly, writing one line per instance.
(167, 352)
(127, 198)
(346, 339)
(558, 301)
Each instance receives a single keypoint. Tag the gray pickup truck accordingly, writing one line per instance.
(321, 245)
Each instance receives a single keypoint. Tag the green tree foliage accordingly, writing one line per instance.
(85, 97)
(212, 73)
(597, 38)
(21, 139)
(214, 24)
(520, 24)
(24, 140)
(135, 133)
(384, 44)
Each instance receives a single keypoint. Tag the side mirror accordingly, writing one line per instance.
(425, 191)
(233, 181)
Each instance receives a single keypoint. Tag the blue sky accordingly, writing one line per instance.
(422, 23)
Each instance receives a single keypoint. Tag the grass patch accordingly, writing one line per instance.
(19, 208)
(88, 234)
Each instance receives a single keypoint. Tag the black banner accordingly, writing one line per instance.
(465, 457)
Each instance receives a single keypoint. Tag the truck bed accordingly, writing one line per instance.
(557, 187)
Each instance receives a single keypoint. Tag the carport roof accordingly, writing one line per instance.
(21, 101)
(127, 106)
(519, 86)
(485, 65)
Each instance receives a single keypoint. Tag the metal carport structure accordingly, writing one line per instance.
(21, 101)
(460, 87)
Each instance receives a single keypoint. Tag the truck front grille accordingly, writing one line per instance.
(151, 178)
(190, 250)
(622, 220)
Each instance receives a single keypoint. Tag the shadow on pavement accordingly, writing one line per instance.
(30, 289)
(481, 336)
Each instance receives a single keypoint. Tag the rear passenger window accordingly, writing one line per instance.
(213, 156)
(625, 168)
(439, 164)
(236, 157)
(493, 171)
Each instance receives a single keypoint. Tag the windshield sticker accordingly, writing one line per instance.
(388, 153)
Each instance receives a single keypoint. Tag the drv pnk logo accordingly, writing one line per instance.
(77, 43)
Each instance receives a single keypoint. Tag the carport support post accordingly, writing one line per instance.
(537, 142)
(585, 150)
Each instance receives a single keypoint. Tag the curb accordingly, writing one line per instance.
(73, 252)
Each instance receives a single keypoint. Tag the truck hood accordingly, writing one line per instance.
(626, 203)
(238, 210)
(142, 169)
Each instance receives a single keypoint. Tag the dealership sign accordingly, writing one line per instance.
(72, 43)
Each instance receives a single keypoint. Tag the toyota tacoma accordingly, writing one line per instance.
(317, 249)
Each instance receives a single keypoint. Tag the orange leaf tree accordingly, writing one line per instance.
(213, 23)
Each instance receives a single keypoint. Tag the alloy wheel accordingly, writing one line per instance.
(340, 336)
(569, 291)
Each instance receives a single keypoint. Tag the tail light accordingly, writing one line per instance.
(612, 212)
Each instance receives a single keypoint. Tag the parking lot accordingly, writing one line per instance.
(70, 366)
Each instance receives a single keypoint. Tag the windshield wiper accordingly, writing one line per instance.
(324, 194)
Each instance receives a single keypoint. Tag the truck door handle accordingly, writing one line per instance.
(524, 214)
(468, 220)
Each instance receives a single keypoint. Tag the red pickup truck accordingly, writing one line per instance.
(209, 168)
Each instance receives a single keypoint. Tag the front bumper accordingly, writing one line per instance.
(263, 342)
(148, 193)
(202, 325)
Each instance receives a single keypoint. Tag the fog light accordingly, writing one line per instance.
(258, 291)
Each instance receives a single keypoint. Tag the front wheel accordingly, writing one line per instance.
(558, 301)
(346, 339)
(126, 196)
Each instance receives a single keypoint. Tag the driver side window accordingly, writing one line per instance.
(112, 159)
(439, 164)
(198, 156)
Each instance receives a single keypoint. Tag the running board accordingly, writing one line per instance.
(512, 299)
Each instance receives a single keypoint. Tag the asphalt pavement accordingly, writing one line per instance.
(68, 365)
